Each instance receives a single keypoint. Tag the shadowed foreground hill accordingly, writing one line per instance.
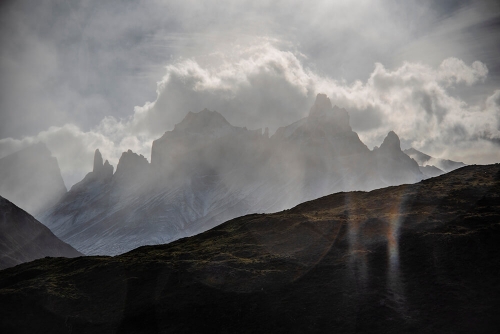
(23, 238)
(412, 258)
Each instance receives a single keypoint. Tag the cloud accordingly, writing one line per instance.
(265, 85)
(415, 101)
(74, 148)
(79, 61)
(453, 70)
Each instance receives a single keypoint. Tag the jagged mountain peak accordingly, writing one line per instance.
(322, 114)
(202, 121)
(195, 129)
(98, 161)
(321, 105)
(131, 157)
(391, 142)
(206, 171)
(102, 170)
(131, 165)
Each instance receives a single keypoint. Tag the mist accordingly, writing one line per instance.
(84, 75)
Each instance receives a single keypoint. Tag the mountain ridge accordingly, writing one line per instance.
(206, 171)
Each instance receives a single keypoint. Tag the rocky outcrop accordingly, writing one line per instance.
(101, 173)
(394, 165)
(31, 178)
(24, 239)
(131, 164)
(132, 170)
(101, 170)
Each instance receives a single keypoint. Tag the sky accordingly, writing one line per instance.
(115, 75)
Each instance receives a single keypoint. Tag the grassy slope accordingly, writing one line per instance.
(338, 263)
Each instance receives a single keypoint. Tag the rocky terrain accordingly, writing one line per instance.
(31, 178)
(415, 258)
(24, 239)
(207, 171)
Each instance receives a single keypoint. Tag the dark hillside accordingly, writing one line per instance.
(420, 258)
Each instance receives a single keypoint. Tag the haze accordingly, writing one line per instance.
(81, 75)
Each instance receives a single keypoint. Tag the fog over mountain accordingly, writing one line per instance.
(82, 75)
(207, 171)
(31, 178)
(249, 166)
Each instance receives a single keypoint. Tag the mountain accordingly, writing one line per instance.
(396, 167)
(431, 171)
(425, 160)
(31, 178)
(416, 258)
(24, 239)
(207, 171)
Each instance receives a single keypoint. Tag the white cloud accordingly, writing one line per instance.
(453, 70)
(74, 148)
(262, 86)
(414, 101)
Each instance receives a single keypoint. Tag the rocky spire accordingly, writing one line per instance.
(98, 162)
(131, 165)
(391, 142)
(101, 170)
(323, 114)
(107, 169)
(321, 105)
